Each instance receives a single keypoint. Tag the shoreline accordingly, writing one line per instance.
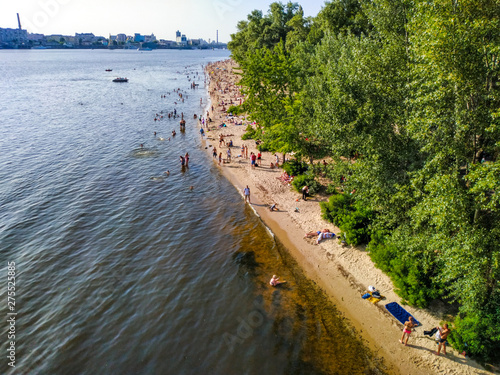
(344, 273)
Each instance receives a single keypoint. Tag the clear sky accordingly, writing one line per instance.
(195, 18)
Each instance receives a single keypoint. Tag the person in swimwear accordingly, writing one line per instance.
(407, 330)
(444, 332)
(324, 235)
(315, 233)
(275, 281)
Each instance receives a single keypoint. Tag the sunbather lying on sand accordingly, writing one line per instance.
(315, 233)
(324, 235)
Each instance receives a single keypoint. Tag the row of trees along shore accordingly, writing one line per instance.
(402, 97)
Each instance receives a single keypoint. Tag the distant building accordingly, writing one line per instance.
(36, 37)
(13, 36)
(195, 42)
(85, 39)
(181, 39)
(138, 38)
(149, 38)
(55, 37)
(121, 38)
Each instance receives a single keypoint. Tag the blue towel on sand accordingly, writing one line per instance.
(399, 313)
(365, 296)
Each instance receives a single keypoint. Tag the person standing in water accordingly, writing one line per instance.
(186, 157)
(246, 193)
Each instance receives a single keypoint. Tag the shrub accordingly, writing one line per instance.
(331, 189)
(336, 208)
(263, 147)
(295, 167)
(412, 277)
(478, 332)
(306, 179)
(353, 219)
(356, 225)
(236, 110)
(250, 133)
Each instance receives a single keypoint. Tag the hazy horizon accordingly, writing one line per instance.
(195, 18)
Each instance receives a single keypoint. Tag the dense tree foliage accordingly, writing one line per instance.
(404, 97)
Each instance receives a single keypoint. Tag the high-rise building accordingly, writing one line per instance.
(181, 39)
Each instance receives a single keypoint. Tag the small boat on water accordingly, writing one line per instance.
(109, 70)
(120, 79)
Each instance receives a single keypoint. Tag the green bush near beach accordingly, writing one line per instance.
(236, 110)
(415, 280)
(250, 133)
(351, 217)
(295, 167)
(306, 180)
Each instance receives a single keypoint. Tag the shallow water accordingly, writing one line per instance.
(121, 268)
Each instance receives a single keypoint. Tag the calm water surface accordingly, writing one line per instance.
(121, 269)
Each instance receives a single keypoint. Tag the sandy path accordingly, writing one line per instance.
(344, 272)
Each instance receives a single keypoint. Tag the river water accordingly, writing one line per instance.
(123, 269)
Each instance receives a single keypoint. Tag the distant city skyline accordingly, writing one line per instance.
(196, 18)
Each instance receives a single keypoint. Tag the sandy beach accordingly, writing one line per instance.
(343, 272)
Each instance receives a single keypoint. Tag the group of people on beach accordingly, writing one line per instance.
(442, 334)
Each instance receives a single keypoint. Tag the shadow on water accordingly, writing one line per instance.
(246, 262)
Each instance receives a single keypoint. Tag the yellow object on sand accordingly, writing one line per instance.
(375, 299)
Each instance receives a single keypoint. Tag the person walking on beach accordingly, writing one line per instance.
(407, 330)
(305, 192)
(444, 332)
(246, 193)
(246, 152)
(228, 155)
(253, 159)
(220, 158)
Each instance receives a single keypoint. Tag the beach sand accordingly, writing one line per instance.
(343, 272)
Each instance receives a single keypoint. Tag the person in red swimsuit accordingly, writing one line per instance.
(407, 330)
